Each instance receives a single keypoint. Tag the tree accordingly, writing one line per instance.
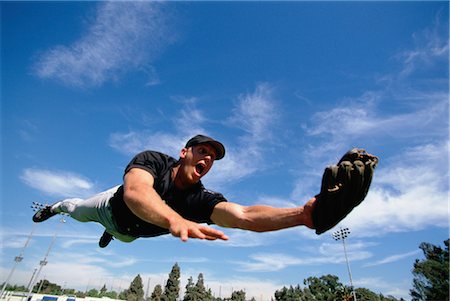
(431, 275)
(157, 293)
(326, 287)
(14, 288)
(92, 293)
(172, 288)
(190, 294)
(198, 291)
(238, 296)
(80, 294)
(364, 294)
(136, 290)
(111, 295)
(103, 290)
(289, 294)
(46, 287)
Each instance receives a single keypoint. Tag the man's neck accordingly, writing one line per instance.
(177, 182)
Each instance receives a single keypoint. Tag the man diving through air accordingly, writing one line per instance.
(162, 195)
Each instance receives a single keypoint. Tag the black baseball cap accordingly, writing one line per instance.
(202, 139)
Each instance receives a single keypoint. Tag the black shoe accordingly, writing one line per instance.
(43, 214)
(105, 240)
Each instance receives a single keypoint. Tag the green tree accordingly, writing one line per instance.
(157, 293)
(46, 287)
(201, 292)
(431, 275)
(92, 293)
(325, 288)
(172, 288)
(364, 294)
(14, 288)
(111, 295)
(136, 290)
(289, 294)
(200, 287)
(69, 292)
(190, 294)
(238, 296)
(80, 294)
(103, 290)
(197, 292)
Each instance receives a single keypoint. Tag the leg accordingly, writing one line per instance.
(93, 209)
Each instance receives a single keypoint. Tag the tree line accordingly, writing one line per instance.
(430, 282)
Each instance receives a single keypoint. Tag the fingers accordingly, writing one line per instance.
(194, 230)
(213, 234)
(184, 235)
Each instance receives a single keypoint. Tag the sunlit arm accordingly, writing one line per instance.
(260, 218)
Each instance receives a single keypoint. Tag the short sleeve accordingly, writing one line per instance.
(153, 162)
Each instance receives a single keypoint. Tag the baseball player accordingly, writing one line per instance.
(162, 195)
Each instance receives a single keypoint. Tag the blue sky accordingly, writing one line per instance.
(287, 87)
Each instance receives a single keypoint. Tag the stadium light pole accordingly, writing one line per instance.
(342, 234)
(44, 262)
(17, 260)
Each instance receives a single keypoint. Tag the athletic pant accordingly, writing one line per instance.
(94, 209)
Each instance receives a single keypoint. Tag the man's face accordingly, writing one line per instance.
(197, 161)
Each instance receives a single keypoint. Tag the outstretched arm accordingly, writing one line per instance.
(261, 218)
(145, 202)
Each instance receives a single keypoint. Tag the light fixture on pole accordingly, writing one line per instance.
(342, 234)
(17, 260)
(44, 262)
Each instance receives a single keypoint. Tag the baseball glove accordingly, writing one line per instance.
(344, 186)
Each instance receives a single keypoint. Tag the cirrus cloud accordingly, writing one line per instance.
(125, 36)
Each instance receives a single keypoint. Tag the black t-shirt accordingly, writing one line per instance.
(195, 204)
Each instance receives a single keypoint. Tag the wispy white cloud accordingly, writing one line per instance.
(87, 269)
(57, 183)
(246, 239)
(14, 243)
(410, 105)
(73, 242)
(392, 258)
(254, 115)
(328, 254)
(399, 289)
(187, 122)
(361, 120)
(28, 130)
(124, 36)
(134, 142)
(431, 48)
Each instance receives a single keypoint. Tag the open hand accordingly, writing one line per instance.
(184, 229)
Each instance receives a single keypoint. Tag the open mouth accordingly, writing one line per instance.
(199, 168)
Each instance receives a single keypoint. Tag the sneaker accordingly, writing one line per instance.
(43, 214)
(105, 240)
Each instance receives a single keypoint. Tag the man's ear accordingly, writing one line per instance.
(183, 153)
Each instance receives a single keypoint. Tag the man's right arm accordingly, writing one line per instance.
(145, 203)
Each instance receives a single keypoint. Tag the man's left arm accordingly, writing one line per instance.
(261, 218)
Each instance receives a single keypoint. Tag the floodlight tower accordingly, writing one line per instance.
(44, 262)
(342, 234)
(17, 260)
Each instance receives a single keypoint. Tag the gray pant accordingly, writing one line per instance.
(94, 209)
